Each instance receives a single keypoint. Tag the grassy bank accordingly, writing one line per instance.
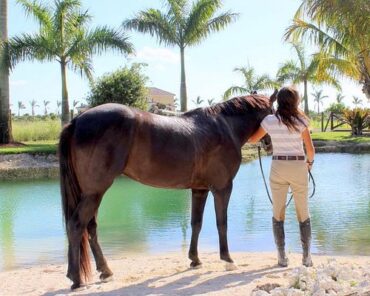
(339, 137)
(45, 147)
(36, 129)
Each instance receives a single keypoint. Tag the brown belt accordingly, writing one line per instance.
(292, 157)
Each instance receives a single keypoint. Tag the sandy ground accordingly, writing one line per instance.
(166, 274)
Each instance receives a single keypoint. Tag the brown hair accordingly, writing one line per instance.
(288, 111)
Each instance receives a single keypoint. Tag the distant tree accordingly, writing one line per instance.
(211, 102)
(46, 103)
(65, 36)
(185, 23)
(305, 71)
(337, 108)
(198, 101)
(356, 101)
(318, 97)
(33, 104)
(59, 103)
(252, 83)
(124, 86)
(20, 107)
(339, 98)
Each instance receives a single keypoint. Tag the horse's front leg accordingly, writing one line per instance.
(199, 198)
(222, 197)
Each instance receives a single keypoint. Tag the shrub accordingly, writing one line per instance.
(337, 108)
(124, 86)
(358, 119)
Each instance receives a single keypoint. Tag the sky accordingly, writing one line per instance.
(255, 39)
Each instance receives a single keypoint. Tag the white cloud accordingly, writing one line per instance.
(162, 55)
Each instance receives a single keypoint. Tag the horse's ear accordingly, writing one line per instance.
(273, 97)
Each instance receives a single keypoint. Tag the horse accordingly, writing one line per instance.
(198, 150)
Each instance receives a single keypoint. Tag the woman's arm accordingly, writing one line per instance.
(310, 149)
(258, 135)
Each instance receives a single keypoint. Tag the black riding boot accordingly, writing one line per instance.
(279, 235)
(305, 229)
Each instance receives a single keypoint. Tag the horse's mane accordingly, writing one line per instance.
(234, 106)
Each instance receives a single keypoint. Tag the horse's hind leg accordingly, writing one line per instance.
(222, 198)
(76, 227)
(199, 198)
(101, 263)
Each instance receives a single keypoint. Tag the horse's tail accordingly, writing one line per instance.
(71, 193)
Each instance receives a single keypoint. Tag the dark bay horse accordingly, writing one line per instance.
(200, 150)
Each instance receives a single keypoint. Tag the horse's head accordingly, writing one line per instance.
(266, 140)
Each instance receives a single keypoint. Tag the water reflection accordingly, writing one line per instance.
(137, 218)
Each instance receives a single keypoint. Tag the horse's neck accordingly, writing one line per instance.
(242, 128)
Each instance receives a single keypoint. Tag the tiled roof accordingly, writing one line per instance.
(153, 91)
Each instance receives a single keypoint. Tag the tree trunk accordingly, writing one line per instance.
(65, 105)
(305, 97)
(5, 126)
(366, 88)
(183, 95)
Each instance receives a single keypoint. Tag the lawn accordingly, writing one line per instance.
(47, 147)
(340, 137)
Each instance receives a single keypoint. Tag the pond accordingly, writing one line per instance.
(134, 218)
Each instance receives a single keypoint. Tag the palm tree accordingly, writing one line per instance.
(305, 71)
(182, 25)
(33, 104)
(252, 83)
(64, 36)
(211, 102)
(356, 101)
(198, 101)
(46, 103)
(59, 103)
(339, 98)
(318, 98)
(5, 126)
(341, 30)
(20, 107)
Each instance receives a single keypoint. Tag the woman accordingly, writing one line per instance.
(287, 128)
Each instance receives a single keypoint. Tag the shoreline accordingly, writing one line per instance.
(26, 166)
(169, 274)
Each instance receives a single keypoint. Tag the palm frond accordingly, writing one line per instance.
(233, 91)
(288, 72)
(103, 38)
(156, 24)
(201, 12)
(300, 54)
(39, 11)
(215, 24)
(83, 66)
(301, 29)
(29, 47)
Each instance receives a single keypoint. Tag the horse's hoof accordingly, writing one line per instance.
(105, 278)
(77, 287)
(230, 266)
(195, 265)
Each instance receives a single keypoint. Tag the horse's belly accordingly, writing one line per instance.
(165, 175)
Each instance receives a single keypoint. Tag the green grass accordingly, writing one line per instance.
(36, 130)
(339, 137)
(47, 147)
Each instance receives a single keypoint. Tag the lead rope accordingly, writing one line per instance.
(291, 194)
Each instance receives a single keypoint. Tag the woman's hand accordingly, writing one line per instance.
(309, 164)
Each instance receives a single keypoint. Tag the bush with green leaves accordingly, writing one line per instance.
(337, 108)
(358, 119)
(124, 86)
